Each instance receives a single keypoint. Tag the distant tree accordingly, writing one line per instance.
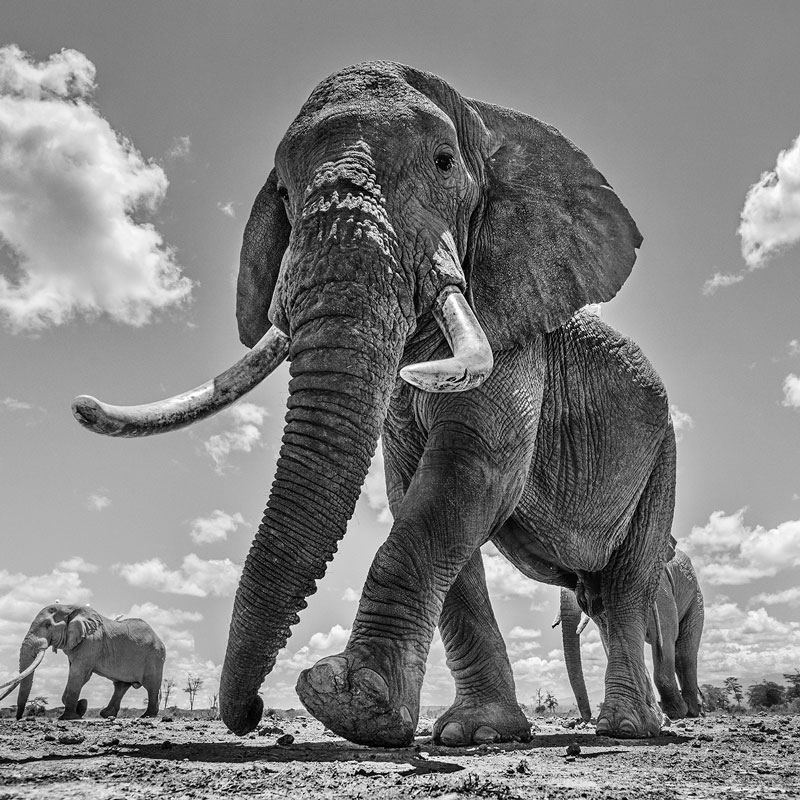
(715, 698)
(193, 684)
(37, 707)
(766, 694)
(793, 678)
(166, 688)
(732, 686)
(212, 704)
(551, 703)
(539, 706)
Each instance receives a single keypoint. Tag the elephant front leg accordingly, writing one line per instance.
(485, 708)
(370, 693)
(74, 707)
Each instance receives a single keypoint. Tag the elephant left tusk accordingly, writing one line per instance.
(472, 359)
(184, 409)
(12, 684)
(585, 620)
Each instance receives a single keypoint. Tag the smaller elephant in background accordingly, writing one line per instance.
(126, 651)
(673, 632)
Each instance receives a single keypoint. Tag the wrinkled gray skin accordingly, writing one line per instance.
(679, 601)
(127, 652)
(388, 187)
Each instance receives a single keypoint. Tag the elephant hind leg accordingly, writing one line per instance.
(112, 709)
(686, 665)
(152, 683)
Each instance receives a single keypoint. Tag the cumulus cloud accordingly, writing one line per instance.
(78, 564)
(503, 579)
(374, 489)
(725, 551)
(97, 502)
(196, 577)
(227, 209)
(216, 527)
(791, 391)
(681, 421)
(770, 219)
(71, 193)
(243, 436)
(787, 596)
(319, 645)
(12, 404)
(720, 281)
(351, 595)
(179, 149)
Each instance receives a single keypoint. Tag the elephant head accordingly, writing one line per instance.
(399, 216)
(62, 627)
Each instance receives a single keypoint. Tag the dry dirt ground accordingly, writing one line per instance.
(714, 757)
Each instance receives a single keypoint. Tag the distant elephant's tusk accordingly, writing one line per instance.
(472, 359)
(12, 684)
(585, 620)
(184, 409)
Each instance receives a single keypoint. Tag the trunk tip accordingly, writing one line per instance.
(242, 723)
(86, 409)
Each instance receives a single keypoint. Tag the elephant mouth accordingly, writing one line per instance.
(470, 365)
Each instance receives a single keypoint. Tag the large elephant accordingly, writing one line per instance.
(126, 651)
(401, 222)
(673, 633)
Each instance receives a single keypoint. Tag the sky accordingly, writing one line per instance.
(133, 140)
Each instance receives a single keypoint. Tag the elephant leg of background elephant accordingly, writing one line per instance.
(628, 589)
(370, 693)
(112, 708)
(672, 703)
(686, 666)
(74, 707)
(152, 684)
(486, 707)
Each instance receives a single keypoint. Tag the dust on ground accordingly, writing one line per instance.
(713, 757)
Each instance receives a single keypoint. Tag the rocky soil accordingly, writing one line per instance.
(714, 757)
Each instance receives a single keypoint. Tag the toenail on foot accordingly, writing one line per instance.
(405, 714)
(485, 735)
(627, 727)
(452, 734)
(367, 681)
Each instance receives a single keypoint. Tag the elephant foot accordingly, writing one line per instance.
(108, 712)
(622, 721)
(356, 703)
(469, 722)
(80, 710)
(675, 709)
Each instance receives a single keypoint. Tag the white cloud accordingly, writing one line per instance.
(787, 596)
(12, 404)
(770, 220)
(319, 646)
(518, 632)
(791, 391)
(97, 502)
(681, 421)
(726, 551)
(374, 489)
(720, 281)
(503, 578)
(196, 577)
(69, 189)
(794, 347)
(351, 595)
(215, 528)
(227, 209)
(78, 564)
(179, 149)
(242, 437)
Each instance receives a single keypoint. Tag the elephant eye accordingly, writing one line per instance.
(444, 162)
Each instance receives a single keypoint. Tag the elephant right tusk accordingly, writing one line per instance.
(585, 620)
(12, 684)
(184, 409)
(472, 359)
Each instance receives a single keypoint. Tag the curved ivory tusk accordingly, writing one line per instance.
(12, 684)
(472, 359)
(557, 621)
(184, 409)
(585, 620)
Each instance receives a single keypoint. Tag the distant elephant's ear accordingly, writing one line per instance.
(79, 627)
(266, 237)
(551, 235)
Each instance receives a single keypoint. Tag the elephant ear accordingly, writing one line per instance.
(266, 237)
(551, 235)
(80, 626)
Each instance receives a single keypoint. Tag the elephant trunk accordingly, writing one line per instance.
(30, 655)
(343, 370)
(570, 619)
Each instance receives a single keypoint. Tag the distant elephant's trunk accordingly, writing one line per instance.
(570, 619)
(343, 371)
(31, 654)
